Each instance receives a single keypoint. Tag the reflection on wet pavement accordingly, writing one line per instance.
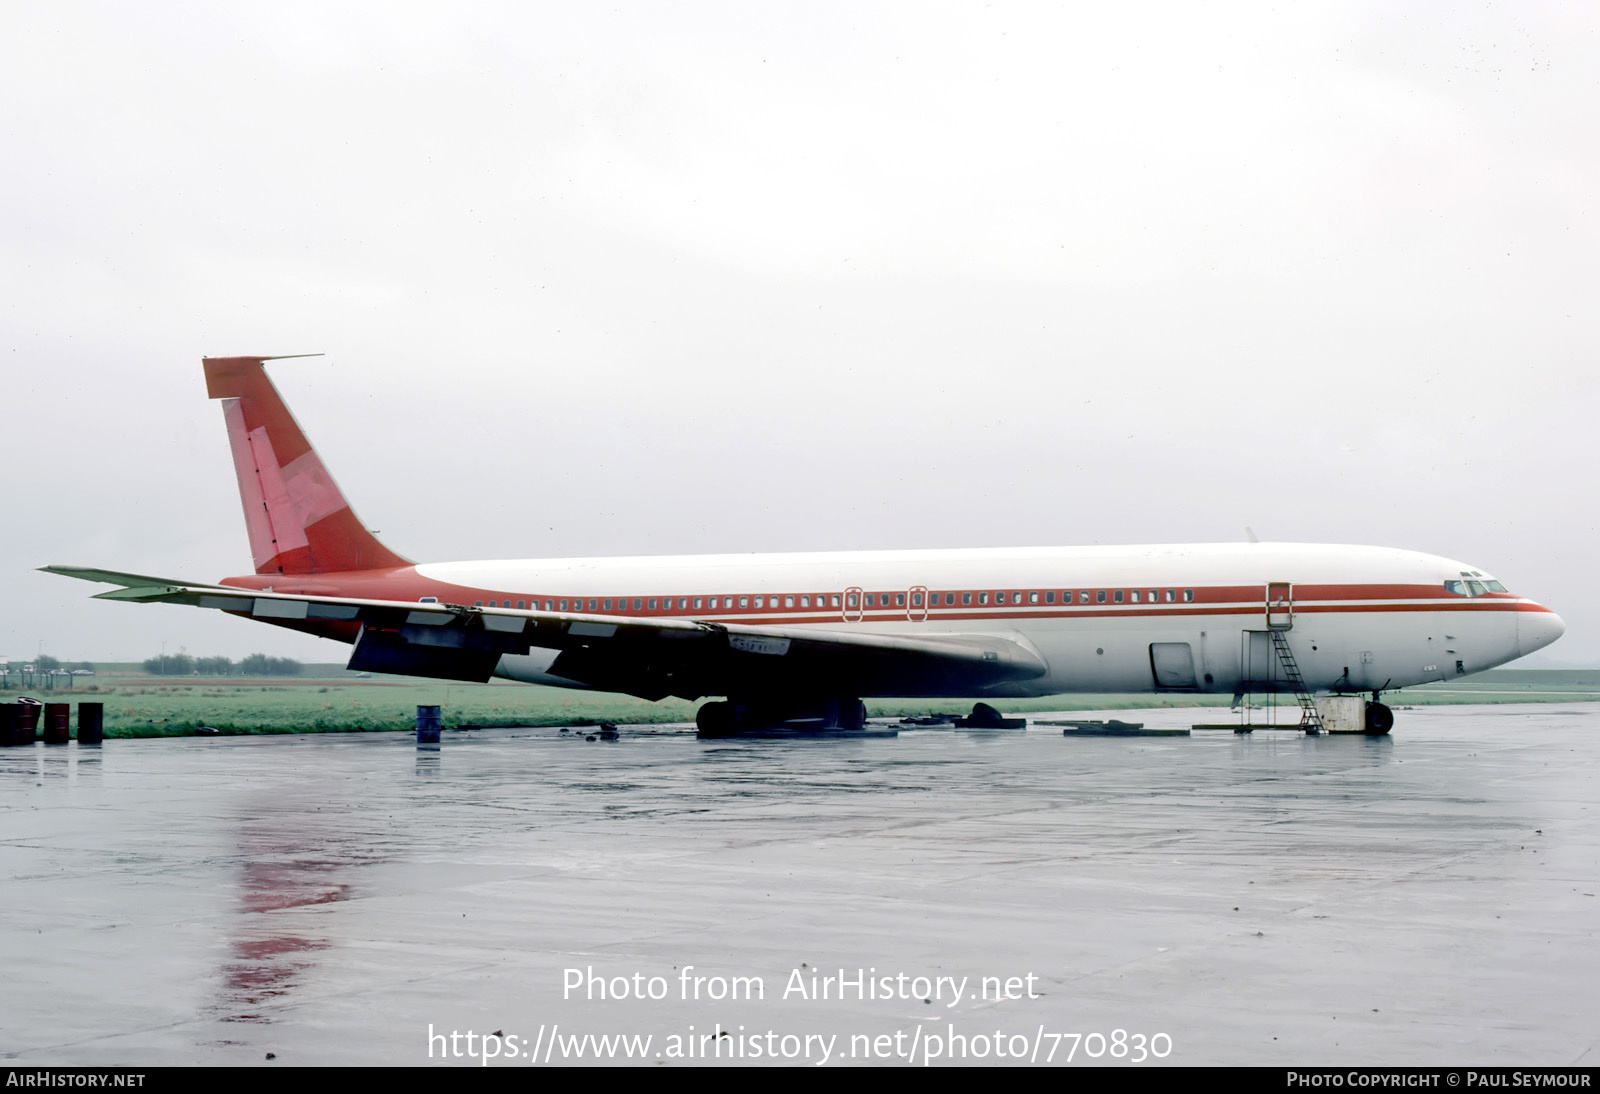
(1271, 899)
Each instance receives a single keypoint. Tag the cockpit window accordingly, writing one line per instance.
(1474, 588)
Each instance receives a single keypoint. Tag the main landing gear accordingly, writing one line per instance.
(736, 715)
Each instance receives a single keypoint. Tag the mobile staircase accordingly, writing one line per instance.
(1310, 718)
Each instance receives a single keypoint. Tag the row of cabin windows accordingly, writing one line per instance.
(856, 600)
(684, 603)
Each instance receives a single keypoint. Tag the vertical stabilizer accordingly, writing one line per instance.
(299, 522)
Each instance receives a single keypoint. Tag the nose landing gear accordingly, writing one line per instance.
(1380, 719)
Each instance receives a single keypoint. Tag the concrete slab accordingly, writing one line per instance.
(1423, 898)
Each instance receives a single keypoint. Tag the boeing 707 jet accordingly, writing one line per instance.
(798, 638)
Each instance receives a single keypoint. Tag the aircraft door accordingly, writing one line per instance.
(1258, 660)
(853, 604)
(917, 603)
(1172, 663)
(1280, 606)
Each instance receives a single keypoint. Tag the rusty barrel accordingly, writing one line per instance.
(57, 723)
(22, 727)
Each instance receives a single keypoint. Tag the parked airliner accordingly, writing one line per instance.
(787, 638)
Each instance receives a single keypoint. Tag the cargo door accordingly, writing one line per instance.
(1172, 664)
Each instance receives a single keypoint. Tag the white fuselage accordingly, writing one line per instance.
(1103, 619)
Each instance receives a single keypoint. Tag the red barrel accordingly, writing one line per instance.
(57, 723)
(23, 725)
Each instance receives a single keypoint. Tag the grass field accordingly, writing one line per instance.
(333, 700)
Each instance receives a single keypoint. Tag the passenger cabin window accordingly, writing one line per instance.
(900, 600)
(983, 598)
(1100, 596)
(966, 599)
(1188, 596)
(1119, 596)
(1083, 597)
(744, 602)
(1050, 597)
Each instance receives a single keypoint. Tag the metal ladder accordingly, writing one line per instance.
(1310, 719)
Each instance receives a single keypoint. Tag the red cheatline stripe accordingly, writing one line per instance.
(1217, 600)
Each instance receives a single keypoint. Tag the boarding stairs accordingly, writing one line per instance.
(1310, 718)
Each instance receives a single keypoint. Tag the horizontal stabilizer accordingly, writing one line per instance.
(116, 577)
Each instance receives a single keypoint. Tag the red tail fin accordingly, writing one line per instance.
(299, 522)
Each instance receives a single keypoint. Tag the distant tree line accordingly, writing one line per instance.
(257, 664)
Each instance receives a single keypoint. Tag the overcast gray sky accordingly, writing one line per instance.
(666, 278)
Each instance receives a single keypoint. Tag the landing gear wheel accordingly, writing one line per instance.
(714, 719)
(1380, 719)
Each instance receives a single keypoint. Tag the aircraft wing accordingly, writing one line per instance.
(650, 658)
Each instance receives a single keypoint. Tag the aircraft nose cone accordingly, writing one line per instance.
(1537, 629)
